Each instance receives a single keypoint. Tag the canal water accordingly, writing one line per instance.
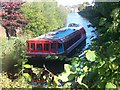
(57, 66)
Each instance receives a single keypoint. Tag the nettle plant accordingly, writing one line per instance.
(12, 18)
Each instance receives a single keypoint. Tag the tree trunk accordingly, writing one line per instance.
(7, 33)
(10, 33)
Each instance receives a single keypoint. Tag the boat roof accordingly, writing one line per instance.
(58, 34)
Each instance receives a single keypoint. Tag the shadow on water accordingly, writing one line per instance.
(55, 66)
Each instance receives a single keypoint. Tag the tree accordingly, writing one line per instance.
(43, 16)
(83, 6)
(105, 68)
(12, 18)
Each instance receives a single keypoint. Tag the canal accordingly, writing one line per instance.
(58, 66)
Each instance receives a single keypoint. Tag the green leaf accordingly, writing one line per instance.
(84, 85)
(61, 58)
(110, 85)
(90, 55)
(27, 77)
(78, 69)
(102, 21)
(68, 71)
(55, 57)
(80, 78)
(64, 76)
(24, 61)
(67, 85)
(85, 69)
(28, 66)
(71, 77)
(67, 67)
(113, 66)
(112, 59)
(48, 57)
(76, 64)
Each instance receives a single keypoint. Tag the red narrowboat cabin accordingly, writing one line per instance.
(59, 42)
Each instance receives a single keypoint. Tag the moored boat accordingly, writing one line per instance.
(59, 42)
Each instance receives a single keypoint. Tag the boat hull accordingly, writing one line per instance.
(64, 53)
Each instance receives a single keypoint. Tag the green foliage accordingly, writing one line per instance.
(83, 6)
(28, 66)
(11, 52)
(60, 58)
(43, 16)
(17, 83)
(27, 77)
(100, 68)
(105, 67)
(110, 85)
(90, 55)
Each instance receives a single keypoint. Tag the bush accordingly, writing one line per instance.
(11, 51)
(17, 83)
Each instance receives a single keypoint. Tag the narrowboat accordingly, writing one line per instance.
(60, 42)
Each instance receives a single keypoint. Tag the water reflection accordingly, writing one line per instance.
(53, 66)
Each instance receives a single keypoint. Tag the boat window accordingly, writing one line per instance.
(53, 46)
(60, 47)
(39, 46)
(32, 46)
(46, 47)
